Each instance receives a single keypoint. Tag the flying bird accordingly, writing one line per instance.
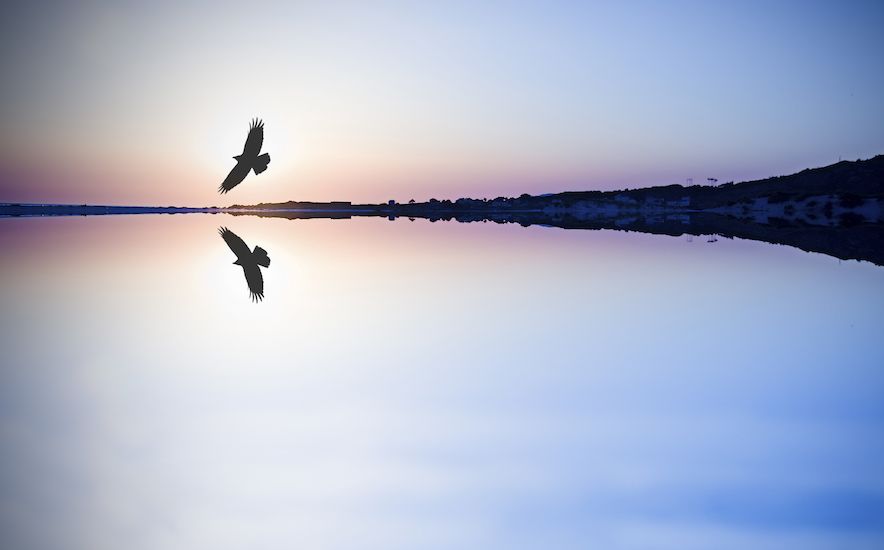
(249, 261)
(249, 159)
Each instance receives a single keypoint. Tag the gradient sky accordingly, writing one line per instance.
(146, 103)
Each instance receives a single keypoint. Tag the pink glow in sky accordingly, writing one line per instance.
(123, 104)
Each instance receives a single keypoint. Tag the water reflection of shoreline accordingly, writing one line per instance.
(845, 241)
(846, 237)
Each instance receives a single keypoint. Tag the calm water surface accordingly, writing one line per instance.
(433, 385)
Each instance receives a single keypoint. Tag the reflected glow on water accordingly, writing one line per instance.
(433, 385)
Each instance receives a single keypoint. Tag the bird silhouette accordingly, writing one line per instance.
(249, 159)
(249, 261)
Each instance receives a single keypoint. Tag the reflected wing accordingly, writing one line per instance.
(254, 280)
(235, 177)
(237, 245)
(255, 139)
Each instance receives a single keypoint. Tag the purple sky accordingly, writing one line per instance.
(147, 104)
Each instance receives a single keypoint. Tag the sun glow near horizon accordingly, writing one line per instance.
(134, 105)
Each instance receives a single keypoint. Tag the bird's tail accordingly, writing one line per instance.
(261, 257)
(261, 163)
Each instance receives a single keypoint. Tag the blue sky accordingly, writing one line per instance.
(124, 103)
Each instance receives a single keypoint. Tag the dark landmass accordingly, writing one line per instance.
(836, 210)
(844, 181)
(8, 210)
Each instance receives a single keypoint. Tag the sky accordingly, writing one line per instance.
(146, 103)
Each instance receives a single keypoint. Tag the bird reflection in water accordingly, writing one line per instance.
(249, 260)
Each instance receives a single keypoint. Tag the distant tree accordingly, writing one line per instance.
(411, 201)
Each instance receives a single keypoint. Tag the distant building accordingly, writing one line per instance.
(682, 202)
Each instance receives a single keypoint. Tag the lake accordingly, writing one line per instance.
(408, 384)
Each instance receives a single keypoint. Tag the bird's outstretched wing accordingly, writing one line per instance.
(254, 280)
(235, 177)
(255, 139)
(237, 245)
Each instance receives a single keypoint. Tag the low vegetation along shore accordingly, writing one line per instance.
(836, 210)
(843, 193)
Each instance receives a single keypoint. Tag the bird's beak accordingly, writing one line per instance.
(236, 262)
